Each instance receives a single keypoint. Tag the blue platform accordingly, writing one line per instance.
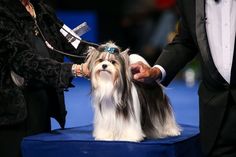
(78, 142)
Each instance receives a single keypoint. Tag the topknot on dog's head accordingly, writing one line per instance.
(109, 47)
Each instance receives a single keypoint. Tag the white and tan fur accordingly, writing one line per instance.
(125, 110)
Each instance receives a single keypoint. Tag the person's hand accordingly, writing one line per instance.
(81, 70)
(143, 73)
(84, 70)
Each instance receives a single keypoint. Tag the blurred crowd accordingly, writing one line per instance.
(148, 25)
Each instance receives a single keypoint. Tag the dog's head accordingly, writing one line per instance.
(108, 65)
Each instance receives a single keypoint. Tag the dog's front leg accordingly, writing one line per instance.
(132, 132)
(102, 134)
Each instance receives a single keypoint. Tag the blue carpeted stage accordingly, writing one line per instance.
(78, 142)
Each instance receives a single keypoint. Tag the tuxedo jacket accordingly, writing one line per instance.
(214, 90)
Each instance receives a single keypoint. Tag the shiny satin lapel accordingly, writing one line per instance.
(203, 41)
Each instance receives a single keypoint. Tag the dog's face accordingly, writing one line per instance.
(106, 68)
(108, 65)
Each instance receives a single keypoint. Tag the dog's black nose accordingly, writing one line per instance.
(104, 66)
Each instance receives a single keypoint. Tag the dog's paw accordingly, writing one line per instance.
(173, 132)
(131, 139)
(103, 139)
(132, 136)
(103, 136)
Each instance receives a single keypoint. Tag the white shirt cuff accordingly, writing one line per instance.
(163, 73)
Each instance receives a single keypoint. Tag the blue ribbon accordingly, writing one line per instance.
(110, 49)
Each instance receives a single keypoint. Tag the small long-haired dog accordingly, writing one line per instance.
(126, 110)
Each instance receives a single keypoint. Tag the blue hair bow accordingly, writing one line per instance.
(110, 49)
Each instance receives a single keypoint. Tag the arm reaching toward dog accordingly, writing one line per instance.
(144, 73)
(80, 70)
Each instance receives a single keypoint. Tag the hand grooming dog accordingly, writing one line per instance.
(126, 110)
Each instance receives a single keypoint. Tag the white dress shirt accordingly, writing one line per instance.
(221, 29)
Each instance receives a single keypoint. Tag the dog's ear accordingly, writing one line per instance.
(91, 56)
(125, 54)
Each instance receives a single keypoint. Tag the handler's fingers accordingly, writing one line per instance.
(135, 68)
(139, 76)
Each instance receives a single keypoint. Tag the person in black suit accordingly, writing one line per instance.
(207, 27)
(33, 77)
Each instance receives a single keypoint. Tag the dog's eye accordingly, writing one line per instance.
(113, 62)
(100, 60)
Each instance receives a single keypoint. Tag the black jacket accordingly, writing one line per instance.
(18, 55)
(214, 90)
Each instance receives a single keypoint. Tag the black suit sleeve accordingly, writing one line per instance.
(178, 53)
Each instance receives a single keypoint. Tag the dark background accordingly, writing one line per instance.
(123, 22)
(109, 14)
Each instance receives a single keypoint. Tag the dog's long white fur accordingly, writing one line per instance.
(108, 125)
